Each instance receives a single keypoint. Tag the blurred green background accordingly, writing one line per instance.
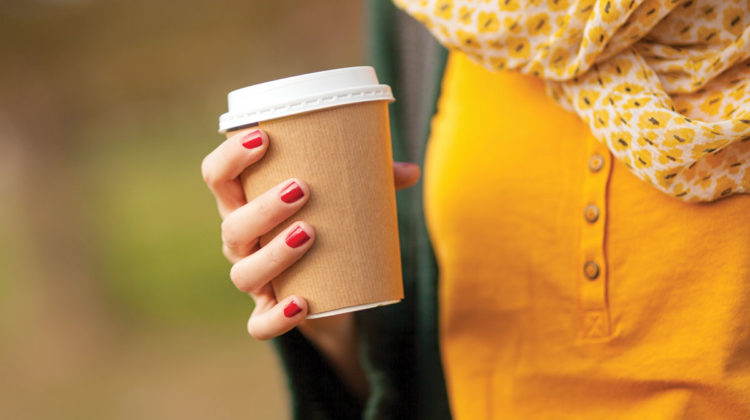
(115, 300)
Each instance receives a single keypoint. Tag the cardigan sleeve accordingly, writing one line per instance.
(315, 390)
(398, 343)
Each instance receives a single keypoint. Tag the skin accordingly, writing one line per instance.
(245, 219)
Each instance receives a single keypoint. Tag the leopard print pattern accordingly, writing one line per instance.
(664, 83)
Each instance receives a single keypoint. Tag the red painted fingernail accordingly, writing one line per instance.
(252, 140)
(291, 309)
(297, 237)
(291, 193)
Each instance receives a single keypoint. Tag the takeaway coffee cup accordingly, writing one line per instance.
(329, 129)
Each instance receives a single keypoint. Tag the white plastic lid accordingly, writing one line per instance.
(303, 93)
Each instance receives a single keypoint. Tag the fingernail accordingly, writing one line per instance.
(252, 140)
(291, 309)
(297, 237)
(291, 193)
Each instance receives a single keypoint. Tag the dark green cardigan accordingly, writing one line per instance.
(398, 343)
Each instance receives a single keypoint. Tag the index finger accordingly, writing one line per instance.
(222, 167)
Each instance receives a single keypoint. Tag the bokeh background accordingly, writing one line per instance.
(115, 301)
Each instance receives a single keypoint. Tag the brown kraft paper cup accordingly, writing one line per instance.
(344, 155)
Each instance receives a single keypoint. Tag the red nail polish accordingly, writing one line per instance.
(297, 237)
(291, 309)
(252, 140)
(291, 193)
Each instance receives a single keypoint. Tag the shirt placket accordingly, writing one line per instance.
(592, 278)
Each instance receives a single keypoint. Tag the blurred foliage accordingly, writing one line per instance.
(158, 230)
(140, 85)
(115, 300)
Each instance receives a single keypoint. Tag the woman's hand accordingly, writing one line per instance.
(244, 222)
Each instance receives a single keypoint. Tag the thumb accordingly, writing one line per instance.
(405, 174)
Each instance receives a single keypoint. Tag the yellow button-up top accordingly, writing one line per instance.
(568, 287)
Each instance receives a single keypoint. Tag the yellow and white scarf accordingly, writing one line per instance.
(664, 83)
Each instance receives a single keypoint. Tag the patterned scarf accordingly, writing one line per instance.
(664, 83)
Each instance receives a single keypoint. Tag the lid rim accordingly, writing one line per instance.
(300, 78)
(314, 102)
(302, 93)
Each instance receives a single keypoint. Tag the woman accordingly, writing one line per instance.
(577, 278)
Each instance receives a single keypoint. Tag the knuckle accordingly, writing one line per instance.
(276, 256)
(252, 329)
(235, 274)
(207, 171)
(230, 235)
(264, 207)
(228, 254)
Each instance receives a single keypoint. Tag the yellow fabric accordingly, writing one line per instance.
(664, 83)
(663, 331)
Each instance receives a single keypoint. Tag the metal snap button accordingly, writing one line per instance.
(596, 162)
(591, 213)
(591, 270)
